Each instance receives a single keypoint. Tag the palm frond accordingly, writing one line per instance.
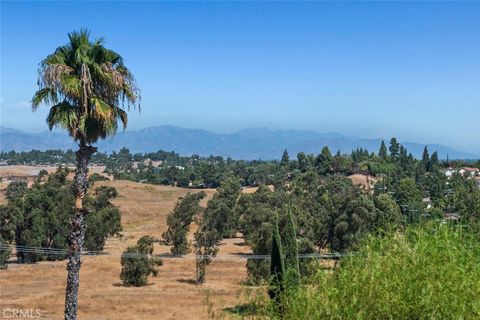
(63, 115)
(122, 115)
(44, 95)
(71, 86)
(102, 110)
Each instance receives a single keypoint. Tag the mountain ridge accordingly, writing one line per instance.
(247, 144)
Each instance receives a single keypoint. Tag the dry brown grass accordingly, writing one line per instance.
(30, 171)
(169, 296)
(365, 182)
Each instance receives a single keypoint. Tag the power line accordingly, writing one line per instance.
(233, 256)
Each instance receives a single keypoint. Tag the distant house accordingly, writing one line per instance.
(449, 172)
(470, 171)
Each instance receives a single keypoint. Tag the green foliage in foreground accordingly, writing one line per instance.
(291, 251)
(416, 275)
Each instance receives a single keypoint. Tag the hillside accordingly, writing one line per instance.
(171, 295)
(247, 144)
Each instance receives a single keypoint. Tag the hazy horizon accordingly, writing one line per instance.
(289, 132)
(372, 70)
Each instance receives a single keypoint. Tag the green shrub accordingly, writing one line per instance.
(421, 274)
(138, 264)
(94, 177)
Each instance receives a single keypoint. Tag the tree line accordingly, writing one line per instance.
(39, 217)
(329, 212)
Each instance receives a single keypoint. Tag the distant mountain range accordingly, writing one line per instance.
(247, 144)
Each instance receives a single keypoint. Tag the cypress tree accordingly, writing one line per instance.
(291, 252)
(394, 148)
(383, 153)
(284, 163)
(433, 164)
(425, 159)
(277, 269)
(323, 161)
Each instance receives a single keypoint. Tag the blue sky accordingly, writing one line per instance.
(371, 69)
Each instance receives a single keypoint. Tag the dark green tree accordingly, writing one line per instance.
(285, 162)
(425, 159)
(205, 249)
(179, 221)
(15, 190)
(103, 221)
(323, 162)
(138, 263)
(303, 162)
(277, 266)
(394, 148)
(434, 163)
(256, 211)
(292, 267)
(220, 212)
(383, 153)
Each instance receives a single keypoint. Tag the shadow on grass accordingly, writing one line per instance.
(120, 284)
(243, 310)
(241, 244)
(189, 281)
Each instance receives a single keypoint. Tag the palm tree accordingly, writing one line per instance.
(88, 90)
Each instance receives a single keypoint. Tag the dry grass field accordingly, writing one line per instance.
(171, 295)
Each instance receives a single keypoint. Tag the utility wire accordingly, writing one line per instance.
(234, 256)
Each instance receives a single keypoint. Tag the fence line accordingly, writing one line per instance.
(133, 255)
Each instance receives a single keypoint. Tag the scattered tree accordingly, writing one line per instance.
(138, 263)
(179, 221)
(205, 250)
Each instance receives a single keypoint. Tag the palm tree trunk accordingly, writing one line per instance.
(77, 230)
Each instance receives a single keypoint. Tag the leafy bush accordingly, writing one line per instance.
(138, 264)
(421, 274)
(94, 177)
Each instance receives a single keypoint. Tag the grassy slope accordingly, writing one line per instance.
(169, 296)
